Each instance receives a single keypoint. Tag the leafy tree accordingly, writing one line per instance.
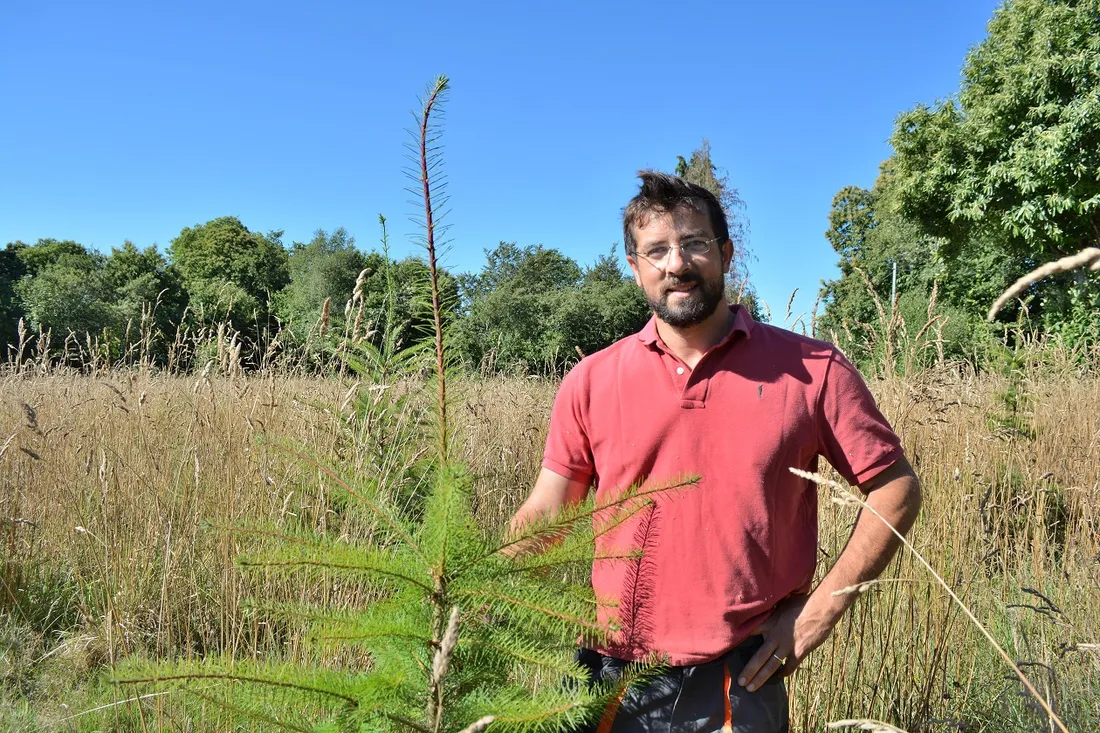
(531, 308)
(851, 220)
(870, 236)
(596, 315)
(63, 289)
(606, 269)
(229, 271)
(46, 252)
(325, 268)
(701, 170)
(144, 290)
(1011, 162)
(530, 268)
(129, 295)
(869, 240)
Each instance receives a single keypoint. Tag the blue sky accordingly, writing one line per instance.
(134, 120)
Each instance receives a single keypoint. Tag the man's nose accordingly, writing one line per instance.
(676, 263)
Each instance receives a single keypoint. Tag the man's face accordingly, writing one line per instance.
(682, 290)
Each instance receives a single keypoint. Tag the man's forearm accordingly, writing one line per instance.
(552, 492)
(872, 544)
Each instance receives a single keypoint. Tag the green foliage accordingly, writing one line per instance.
(46, 252)
(517, 621)
(388, 420)
(147, 296)
(1013, 418)
(981, 188)
(598, 314)
(412, 304)
(64, 289)
(1077, 321)
(870, 237)
(132, 296)
(323, 269)
(1011, 163)
(375, 305)
(230, 273)
(530, 308)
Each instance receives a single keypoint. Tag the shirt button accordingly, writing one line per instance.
(679, 370)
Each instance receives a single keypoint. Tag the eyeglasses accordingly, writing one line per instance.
(692, 248)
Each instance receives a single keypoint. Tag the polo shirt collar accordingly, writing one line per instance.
(742, 323)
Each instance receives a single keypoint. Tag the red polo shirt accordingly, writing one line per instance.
(716, 558)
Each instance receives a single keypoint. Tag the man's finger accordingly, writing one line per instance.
(756, 661)
(763, 664)
(771, 666)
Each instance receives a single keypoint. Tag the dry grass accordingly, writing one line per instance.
(108, 488)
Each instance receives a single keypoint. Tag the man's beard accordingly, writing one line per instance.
(695, 308)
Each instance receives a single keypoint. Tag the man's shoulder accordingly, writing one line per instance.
(790, 351)
(769, 336)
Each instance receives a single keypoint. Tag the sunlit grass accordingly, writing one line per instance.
(112, 489)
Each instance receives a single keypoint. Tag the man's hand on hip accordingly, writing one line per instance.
(801, 624)
(797, 627)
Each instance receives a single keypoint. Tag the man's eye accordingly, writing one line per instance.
(657, 253)
(694, 246)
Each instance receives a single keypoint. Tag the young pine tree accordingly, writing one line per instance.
(467, 630)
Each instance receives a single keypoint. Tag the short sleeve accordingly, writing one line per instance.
(853, 435)
(568, 451)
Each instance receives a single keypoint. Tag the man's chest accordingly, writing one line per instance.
(660, 424)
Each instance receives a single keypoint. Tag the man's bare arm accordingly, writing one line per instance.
(551, 493)
(802, 624)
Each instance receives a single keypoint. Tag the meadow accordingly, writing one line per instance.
(117, 486)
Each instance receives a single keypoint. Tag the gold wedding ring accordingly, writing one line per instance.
(779, 659)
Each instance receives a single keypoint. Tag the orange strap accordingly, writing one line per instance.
(727, 721)
(610, 712)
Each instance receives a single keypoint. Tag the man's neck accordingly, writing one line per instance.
(690, 343)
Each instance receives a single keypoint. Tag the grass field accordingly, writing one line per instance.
(114, 490)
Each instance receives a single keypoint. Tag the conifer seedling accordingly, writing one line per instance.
(468, 630)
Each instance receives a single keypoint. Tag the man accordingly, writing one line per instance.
(723, 586)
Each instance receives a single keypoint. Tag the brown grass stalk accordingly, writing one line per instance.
(1088, 257)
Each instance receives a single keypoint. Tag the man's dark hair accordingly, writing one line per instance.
(662, 193)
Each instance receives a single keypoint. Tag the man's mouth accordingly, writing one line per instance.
(681, 288)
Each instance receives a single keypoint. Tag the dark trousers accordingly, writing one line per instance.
(696, 699)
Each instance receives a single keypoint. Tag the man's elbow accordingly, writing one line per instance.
(900, 494)
(908, 497)
(913, 500)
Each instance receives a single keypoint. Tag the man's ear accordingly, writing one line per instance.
(633, 262)
(727, 255)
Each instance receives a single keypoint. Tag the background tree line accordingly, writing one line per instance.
(980, 189)
(529, 308)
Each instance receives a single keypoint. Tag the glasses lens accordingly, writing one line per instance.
(695, 247)
(689, 249)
